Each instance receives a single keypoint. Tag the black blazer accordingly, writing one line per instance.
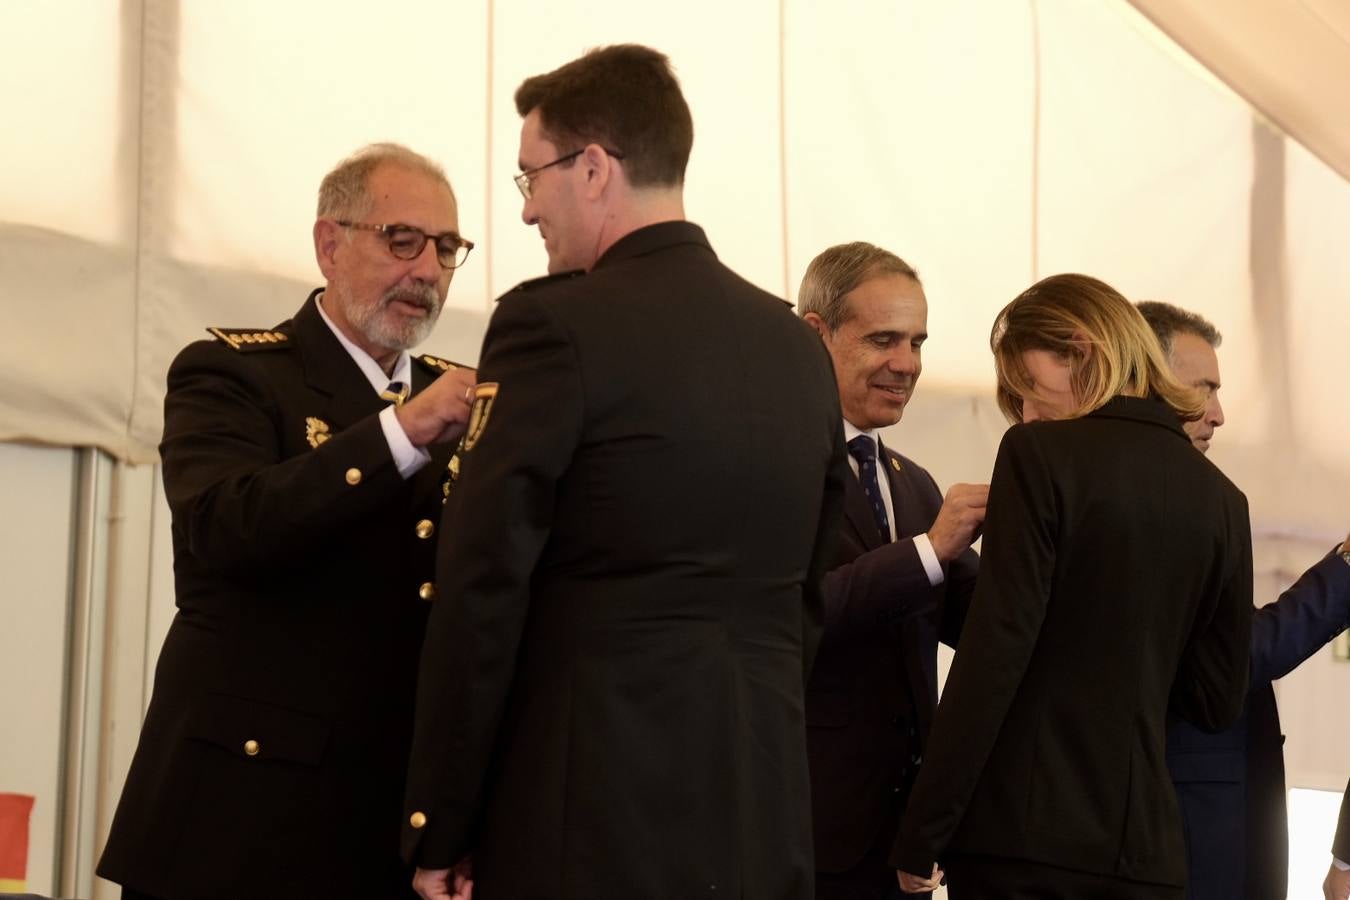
(1115, 577)
(875, 676)
(272, 756)
(611, 692)
(1230, 785)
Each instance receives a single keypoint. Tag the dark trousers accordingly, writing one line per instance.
(991, 878)
(133, 894)
(866, 881)
(872, 878)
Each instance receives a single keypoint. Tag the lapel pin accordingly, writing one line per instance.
(316, 431)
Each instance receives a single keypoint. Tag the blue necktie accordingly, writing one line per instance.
(864, 450)
(396, 393)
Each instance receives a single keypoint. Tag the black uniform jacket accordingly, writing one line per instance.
(870, 700)
(610, 703)
(273, 754)
(1115, 577)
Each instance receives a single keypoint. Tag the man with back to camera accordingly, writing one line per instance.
(1230, 785)
(900, 579)
(303, 491)
(610, 699)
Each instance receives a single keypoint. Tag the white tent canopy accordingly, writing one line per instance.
(163, 158)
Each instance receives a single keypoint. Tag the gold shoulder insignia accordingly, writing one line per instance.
(247, 340)
(484, 395)
(547, 279)
(435, 365)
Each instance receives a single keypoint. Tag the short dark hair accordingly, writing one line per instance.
(1167, 321)
(624, 98)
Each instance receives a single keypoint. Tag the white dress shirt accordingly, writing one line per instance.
(927, 555)
(407, 457)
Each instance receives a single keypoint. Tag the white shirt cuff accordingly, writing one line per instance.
(928, 556)
(407, 457)
(1343, 866)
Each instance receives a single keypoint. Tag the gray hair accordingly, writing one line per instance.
(345, 191)
(840, 269)
(1167, 321)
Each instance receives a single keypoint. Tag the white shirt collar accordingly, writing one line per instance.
(851, 431)
(369, 367)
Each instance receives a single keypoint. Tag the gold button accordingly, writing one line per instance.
(427, 591)
(425, 529)
(251, 748)
(417, 819)
(353, 476)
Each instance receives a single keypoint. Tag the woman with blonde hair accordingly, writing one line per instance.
(1115, 584)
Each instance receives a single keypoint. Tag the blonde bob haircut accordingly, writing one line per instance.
(1111, 350)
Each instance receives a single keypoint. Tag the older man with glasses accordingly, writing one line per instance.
(610, 704)
(303, 466)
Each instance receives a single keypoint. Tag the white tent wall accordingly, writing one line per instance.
(162, 167)
(35, 554)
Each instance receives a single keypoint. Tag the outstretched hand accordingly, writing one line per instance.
(439, 414)
(958, 522)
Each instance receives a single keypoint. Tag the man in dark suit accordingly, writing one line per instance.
(304, 493)
(610, 700)
(1336, 886)
(1230, 785)
(900, 579)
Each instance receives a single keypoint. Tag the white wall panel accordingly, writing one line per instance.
(35, 546)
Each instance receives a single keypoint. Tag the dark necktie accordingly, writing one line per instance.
(396, 393)
(864, 450)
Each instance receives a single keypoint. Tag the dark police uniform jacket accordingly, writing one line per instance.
(610, 700)
(1115, 577)
(870, 700)
(272, 757)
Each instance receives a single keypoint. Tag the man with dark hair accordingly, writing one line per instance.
(610, 699)
(1231, 785)
(303, 488)
(1189, 341)
(900, 579)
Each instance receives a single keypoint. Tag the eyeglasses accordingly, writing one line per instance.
(525, 180)
(407, 242)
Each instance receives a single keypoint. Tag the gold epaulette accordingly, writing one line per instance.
(246, 340)
(436, 365)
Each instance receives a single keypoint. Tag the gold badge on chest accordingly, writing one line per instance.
(895, 464)
(316, 431)
(450, 477)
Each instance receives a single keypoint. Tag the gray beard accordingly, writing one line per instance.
(396, 333)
